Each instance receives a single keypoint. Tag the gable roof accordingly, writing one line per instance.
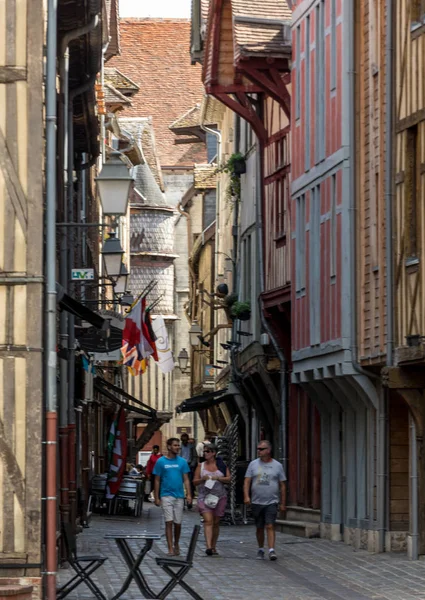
(120, 81)
(155, 55)
(114, 97)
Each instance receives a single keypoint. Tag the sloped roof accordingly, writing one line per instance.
(261, 27)
(113, 96)
(147, 176)
(191, 118)
(213, 110)
(155, 55)
(120, 81)
(205, 176)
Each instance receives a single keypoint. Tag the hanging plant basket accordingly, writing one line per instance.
(244, 315)
(239, 165)
(241, 311)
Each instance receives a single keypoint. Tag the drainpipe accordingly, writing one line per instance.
(414, 489)
(389, 195)
(50, 306)
(71, 454)
(265, 324)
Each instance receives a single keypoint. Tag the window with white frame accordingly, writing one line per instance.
(300, 257)
(320, 81)
(333, 45)
(298, 76)
(307, 94)
(314, 266)
(332, 269)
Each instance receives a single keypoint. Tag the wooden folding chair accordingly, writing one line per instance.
(84, 567)
(178, 568)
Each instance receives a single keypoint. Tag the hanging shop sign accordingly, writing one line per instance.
(82, 274)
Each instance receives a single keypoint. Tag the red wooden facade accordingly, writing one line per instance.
(277, 195)
(316, 114)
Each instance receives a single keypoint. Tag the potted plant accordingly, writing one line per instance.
(241, 311)
(235, 166)
(237, 163)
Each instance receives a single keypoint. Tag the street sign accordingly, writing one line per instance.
(82, 274)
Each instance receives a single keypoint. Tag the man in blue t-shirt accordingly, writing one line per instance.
(171, 472)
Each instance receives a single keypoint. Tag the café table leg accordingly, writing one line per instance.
(133, 565)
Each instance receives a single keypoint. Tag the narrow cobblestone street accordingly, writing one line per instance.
(306, 569)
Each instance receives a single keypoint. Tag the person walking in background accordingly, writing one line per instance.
(188, 452)
(193, 464)
(210, 477)
(156, 454)
(265, 489)
(171, 473)
(209, 439)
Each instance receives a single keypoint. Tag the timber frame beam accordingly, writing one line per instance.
(243, 105)
(399, 378)
(268, 76)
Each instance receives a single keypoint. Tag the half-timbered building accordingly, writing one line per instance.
(325, 307)
(405, 310)
(21, 290)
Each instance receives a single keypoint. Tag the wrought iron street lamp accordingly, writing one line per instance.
(121, 282)
(114, 183)
(194, 332)
(112, 253)
(126, 299)
(183, 359)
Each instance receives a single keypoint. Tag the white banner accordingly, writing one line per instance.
(165, 356)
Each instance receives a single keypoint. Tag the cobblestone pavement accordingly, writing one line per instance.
(305, 570)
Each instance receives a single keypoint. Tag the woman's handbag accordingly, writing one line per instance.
(211, 500)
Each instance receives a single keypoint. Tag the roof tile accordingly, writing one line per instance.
(205, 176)
(155, 55)
(262, 27)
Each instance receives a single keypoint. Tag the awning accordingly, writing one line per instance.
(74, 307)
(119, 396)
(203, 401)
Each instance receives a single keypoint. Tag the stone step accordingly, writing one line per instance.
(306, 529)
(299, 513)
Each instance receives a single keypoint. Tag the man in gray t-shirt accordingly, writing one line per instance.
(265, 489)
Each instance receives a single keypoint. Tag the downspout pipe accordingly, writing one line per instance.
(279, 351)
(414, 529)
(50, 459)
(383, 506)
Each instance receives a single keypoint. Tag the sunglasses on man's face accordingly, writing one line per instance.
(260, 449)
(207, 451)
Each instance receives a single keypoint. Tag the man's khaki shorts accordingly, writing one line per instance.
(172, 508)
